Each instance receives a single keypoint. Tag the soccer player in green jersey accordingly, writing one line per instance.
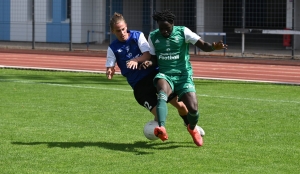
(170, 45)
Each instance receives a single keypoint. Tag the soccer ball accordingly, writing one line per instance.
(200, 130)
(149, 130)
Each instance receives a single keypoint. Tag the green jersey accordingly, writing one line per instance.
(173, 52)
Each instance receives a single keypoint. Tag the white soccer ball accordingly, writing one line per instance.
(200, 130)
(149, 130)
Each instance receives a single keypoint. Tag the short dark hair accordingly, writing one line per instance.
(165, 15)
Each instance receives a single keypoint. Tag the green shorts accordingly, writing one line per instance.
(180, 84)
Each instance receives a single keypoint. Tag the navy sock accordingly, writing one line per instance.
(185, 120)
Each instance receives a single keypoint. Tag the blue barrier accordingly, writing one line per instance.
(88, 37)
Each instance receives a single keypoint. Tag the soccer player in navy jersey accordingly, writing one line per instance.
(132, 45)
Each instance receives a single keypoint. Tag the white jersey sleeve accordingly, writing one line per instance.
(152, 49)
(143, 44)
(190, 37)
(110, 58)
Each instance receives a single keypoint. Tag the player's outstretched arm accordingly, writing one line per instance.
(149, 63)
(133, 63)
(207, 47)
(110, 71)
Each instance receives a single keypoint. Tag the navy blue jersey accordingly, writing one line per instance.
(124, 51)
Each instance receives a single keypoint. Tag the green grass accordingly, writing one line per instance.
(63, 122)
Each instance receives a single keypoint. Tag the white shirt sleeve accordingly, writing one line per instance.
(110, 58)
(190, 37)
(152, 49)
(143, 44)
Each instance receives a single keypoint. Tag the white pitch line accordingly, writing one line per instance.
(50, 69)
(126, 90)
(62, 85)
(253, 99)
(244, 80)
(103, 72)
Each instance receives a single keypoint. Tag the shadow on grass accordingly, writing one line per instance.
(139, 147)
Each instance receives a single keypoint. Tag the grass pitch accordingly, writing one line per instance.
(63, 122)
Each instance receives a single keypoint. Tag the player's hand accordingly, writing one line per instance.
(220, 45)
(110, 73)
(145, 64)
(132, 63)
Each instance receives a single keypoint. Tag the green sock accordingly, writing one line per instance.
(161, 108)
(185, 120)
(193, 119)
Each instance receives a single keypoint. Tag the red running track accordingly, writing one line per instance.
(242, 69)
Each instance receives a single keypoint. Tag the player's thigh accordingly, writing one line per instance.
(163, 83)
(145, 95)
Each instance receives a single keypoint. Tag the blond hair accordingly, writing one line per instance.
(116, 18)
